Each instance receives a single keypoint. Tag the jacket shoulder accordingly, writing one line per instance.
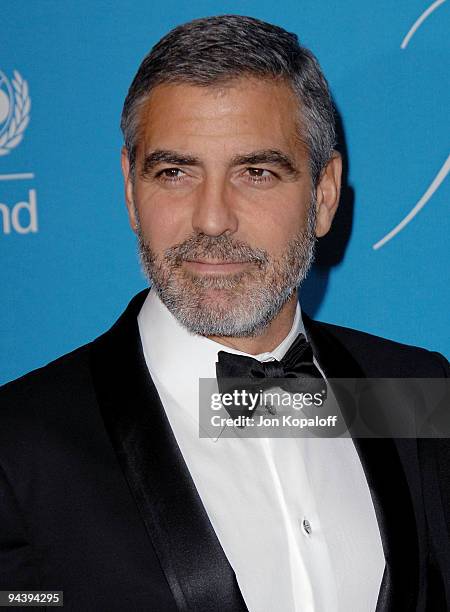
(49, 397)
(53, 375)
(382, 357)
(46, 415)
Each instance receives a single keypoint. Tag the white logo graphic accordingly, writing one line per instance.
(416, 25)
(15, 107)
(445, 168)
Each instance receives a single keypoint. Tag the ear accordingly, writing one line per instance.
(327, 194)
(128, 184)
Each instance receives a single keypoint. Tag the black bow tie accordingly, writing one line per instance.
(298, 362)
(296, 371)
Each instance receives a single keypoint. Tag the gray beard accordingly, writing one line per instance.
(238, 305)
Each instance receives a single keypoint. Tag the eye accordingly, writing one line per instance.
(259, 175)
(170, 175)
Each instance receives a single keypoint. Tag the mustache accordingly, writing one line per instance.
(221, 248)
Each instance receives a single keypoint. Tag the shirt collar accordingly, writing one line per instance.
(177, 358)
(165, 337)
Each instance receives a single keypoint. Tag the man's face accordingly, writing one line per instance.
(222, 202)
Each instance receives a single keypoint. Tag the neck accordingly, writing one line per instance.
(270, 338)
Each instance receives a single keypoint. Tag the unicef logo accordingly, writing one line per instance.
(15, 107)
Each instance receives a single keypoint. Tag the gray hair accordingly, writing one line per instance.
(215, 50)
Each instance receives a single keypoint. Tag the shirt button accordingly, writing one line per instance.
(306, 526)
(270, 408)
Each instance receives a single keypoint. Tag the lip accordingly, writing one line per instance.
(210, 266)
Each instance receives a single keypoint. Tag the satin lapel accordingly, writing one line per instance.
(196, 568)
(387, 483)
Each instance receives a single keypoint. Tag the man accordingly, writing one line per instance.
(107, 491)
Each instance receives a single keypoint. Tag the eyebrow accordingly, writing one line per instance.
(161, 156)
(264, 156)
(268, 156)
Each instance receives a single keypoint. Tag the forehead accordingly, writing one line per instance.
(244, 113)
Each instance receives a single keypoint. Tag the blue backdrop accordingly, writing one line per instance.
(69, 262)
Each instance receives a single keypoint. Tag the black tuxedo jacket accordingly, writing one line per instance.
(96, 500)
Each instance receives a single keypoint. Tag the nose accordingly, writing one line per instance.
(213, 212)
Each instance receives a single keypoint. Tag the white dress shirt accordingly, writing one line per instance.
(294, 516)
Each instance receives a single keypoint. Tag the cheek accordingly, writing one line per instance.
(162, 224)
(277, 224)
